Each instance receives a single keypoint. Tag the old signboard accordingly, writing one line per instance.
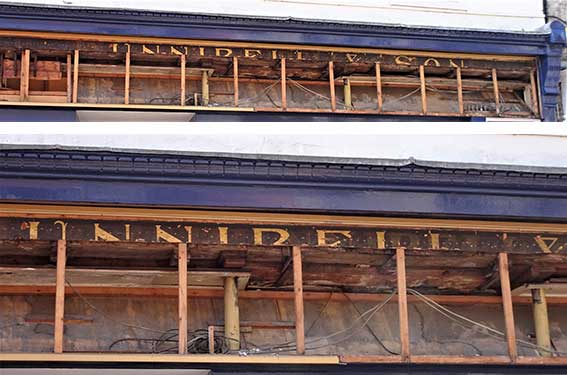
(269, 235)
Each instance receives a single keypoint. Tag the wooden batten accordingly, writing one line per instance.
(379, 87)
(69, 78)
(76, 76)
(25, 76)
(503, 268)
(496, 91)
(205, 90)
(231, 314)
(283, 84)
(299, 309)
(534, 93)
(235, 81)
(183, 64)
(127, 79)
(59, 296)
(403, 304)
(332, 86)
(423, 90)
(182, 259)
(460, 91)
(348, 94)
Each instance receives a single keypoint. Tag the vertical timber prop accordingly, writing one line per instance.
(460, 92)
(182, 257)
(59, 296)
(534, 96)
(403, 304)
(298, 294)
(76, 76)
(231, 314)
(69, 79)
(379, 87)
(127, 78)
(423, 89)
(183, 64)
(503, 267)
(541, 322)
(332, 86)
(348, 94)
(496, 91)
(205, 93)
(235, 78)
(284, 84)
(25, 76)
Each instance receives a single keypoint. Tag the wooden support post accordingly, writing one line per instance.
(127, 78)
(403, 303)
(541, 322)
(25, 76)
(182, 257)
(348, 94)
(460, 91)
(205, 88)
(332, 86)
(379, 87)
(211, 337)
(534, 91)
(508, 307)
(2, 70)
(284, 84)
(59, 296)
(423, 90)
(299, 310)
(496, 90)
(69, 79)
(235, 76)
(76, 76)
(183, 64)
(231, 313)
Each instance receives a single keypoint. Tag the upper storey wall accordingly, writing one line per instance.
(507, 15)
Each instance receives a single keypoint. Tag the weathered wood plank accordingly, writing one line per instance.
(182, 258)
(403, 304)
(59, 296)
(508, 306)
(299, 309)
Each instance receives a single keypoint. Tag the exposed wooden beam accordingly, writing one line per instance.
(183, 64)
(403, 304)
(284, 84)
(60, 296)
(423, 90)
(348, 94)
(508, 306)
(496, 90)
(25, 75)
(332, 86)
(231, 314)
(182, 257)
(534, 91)
(379, 87)
(76, 76)
(235, 77)
(127, 78)
(541, 322)
(460, 91)
(299, 309)
(205, 90)
(69, 79)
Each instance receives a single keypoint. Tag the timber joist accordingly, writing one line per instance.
(168, 74)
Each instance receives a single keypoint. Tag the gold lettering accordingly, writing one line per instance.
(435, 242)
(452, 64)
(299, 55)
(275, 54)
(404, 60)
(258, 235)
(322, 237)
(543, 243)
(33, 225)
(252, 53)
(201, 51)
(115, 47)
(189, 231)
(381, 240)
(63, 229)
(223, 52)
(432, 61)
(147, 51)
(175, 51)
(127, 231)
(223, 235)
(351, 57)
(101, 234)
(163, 235)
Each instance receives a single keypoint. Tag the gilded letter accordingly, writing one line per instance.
(201, 51)
(163, 235)
(34, 225)
(275, 54)
(252, 53)
(147, 51)
(258, 235)
(223, 235)
(101, 234)
(189, 230)
(432, 61)
(299, 55)
(435, 244)
(543, 243)
(455, 65)
(115, 47)
(351, 57)
(404, 60)
(175, 51)
(63, 229)
(223, 52)
(381, 240)
(322, 237)
(127, 231)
